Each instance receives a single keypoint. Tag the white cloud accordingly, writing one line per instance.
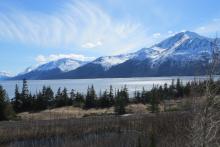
(156, 35)
(80, 24)
(92, 45)
(209, 29)
(44, 59)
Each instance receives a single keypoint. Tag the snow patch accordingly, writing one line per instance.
(64, 65)
(108, 61)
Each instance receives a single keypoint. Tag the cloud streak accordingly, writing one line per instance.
(41, 59)
(78, 24)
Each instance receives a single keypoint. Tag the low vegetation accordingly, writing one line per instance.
(119, 99)
(169, 116)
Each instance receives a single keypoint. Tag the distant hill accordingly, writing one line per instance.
(5, 75)
(49, 70)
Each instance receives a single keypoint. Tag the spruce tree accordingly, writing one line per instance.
(65, 98)
(104, 100)
(90, 101)
(2, 103)
(179, 88)
(49, 94)
(154, 101)
(72, 95)
(25, 91)
(120, 103)
(17, 101)
(25, 97)
(79, 100)
(58, 98)
(6, 110)
(111, 96)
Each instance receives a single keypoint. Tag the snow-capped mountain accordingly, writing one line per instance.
(185, 46)
(182, 46)
(50, 69)
(185, 53)
(4, 75)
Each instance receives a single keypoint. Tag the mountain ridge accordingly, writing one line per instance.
(179, 54)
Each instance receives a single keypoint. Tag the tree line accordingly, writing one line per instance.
(118, 98)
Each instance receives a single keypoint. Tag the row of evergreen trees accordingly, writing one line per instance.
(46, 98)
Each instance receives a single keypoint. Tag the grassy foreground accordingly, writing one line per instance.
(162, 129)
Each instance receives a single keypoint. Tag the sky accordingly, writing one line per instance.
(36, 32)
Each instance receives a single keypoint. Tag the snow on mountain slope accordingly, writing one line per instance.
(179, 54)
(64, 65)
(182, 46)
(164, 52)
(108, 61)
(4, 75)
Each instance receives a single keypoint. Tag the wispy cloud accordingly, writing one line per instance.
(80, 24)
(211, 28)
(44, 59)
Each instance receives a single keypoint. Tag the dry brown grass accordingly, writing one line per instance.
(76, 112)
(137, 109)
(169, 130)
(64, 113)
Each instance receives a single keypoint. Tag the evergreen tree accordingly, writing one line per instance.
(145, 98)
(166, 92)
(90, 101)
(187, 89)
(49, 94)
(138, 98)
(25, 97)
(104, 100)
(179, 88)
(120, 102)
(39, 102)
(17, 101)
(172, 91)
(124, 93)
(111, 96)
(25, 91)
(44, 99)
(2, 103)
(154, 101)
(58, 98)
(6, 110)
(72, 95)
(65, 98)
(79, 100)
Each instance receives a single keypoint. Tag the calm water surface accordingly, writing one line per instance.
(81, 85)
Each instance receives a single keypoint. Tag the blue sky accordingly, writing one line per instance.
(35, 32)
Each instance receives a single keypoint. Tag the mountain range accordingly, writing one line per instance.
(183, 54)
(4, 75)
